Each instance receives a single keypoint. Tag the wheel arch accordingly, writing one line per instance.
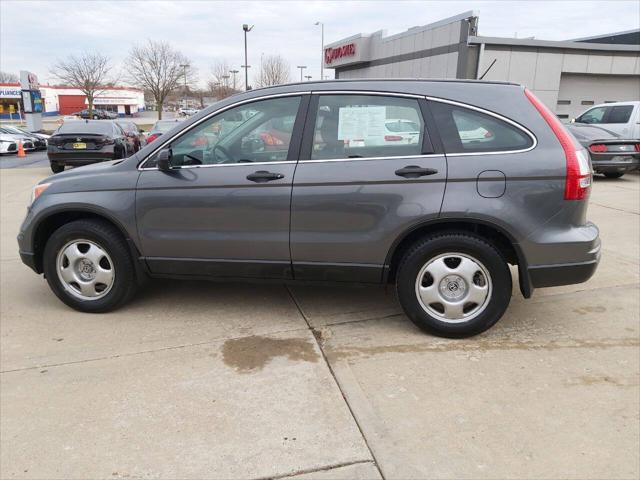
(503, 240)
(55, 219)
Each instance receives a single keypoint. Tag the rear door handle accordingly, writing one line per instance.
(262, 176)
(414, 171)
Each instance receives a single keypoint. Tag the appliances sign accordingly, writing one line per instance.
(331, 54)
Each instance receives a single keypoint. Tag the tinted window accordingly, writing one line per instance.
(256, 132)
(619, 114)
(464, 131)
(97, 127)
(357, 126)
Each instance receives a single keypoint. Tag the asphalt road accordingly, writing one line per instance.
(224, 380)
(36, 159)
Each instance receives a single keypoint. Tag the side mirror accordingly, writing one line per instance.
(164, 160)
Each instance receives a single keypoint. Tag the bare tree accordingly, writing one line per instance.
(159, 69)
(221, 83)
(274, 70)
(7, 77)
(88, 72)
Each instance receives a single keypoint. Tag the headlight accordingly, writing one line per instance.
(37, 191)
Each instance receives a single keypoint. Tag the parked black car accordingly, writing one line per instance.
(96, 114)
(82, 142)
(611, 154)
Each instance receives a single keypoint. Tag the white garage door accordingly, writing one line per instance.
(578, 92)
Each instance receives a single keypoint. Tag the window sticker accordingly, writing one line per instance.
(360, 123)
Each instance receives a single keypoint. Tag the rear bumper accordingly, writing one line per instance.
(556, 274)
(605, 166)
(566, 274)
(84, 158)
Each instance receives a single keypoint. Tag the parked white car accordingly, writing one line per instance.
(622, 118)
(187, 112)
(27, 143)
(8, 144)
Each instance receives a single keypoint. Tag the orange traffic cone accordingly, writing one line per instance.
(21, 150)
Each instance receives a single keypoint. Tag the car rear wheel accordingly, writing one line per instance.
(613, 174)
(88, 266)
(454, 285)
(57, 168)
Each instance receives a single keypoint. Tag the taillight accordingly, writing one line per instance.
(637, 147)
(152, 137)
(578, 180)
(392, 138)
(598, 148)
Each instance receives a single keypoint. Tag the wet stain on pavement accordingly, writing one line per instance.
(249, 354)
(477, 345)
(587, 310)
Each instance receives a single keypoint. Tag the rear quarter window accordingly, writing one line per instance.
(464, 130)
(618, 114)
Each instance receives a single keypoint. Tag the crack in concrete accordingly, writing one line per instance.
(142, 352)
(317, 336)
(325, 468)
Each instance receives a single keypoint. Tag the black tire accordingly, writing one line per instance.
(423, 251)
(57, 168)
(613, 174)
(110, 240)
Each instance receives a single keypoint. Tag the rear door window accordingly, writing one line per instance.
(464, 130)
(618, 114)
(367, 126)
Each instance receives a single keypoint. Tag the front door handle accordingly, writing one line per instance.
(414, 171)
(262, 176)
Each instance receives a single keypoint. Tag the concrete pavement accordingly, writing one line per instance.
(212, 380)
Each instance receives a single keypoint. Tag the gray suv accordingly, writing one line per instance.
(306, 183)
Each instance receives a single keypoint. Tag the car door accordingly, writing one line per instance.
(357, 188)
(224, 207)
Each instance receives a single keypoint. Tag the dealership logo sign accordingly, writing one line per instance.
(331, 54)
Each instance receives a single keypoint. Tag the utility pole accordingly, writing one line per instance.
(246, 28)
(321, 49)
(184, 67)
(308, 77)
(301, 67)
(233, 72)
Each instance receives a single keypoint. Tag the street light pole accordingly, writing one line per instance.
(184, 67)
(301, 67)
(234, 77)
(246, 29)
(321, 49)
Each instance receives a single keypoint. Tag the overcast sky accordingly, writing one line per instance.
(34, 34)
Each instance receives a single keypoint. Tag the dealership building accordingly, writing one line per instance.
(60, 100)
(567, 75)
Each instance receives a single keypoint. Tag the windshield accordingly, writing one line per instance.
(97, 127)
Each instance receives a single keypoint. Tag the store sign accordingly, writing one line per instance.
(10, 92)
(29, 81)
(335, 53)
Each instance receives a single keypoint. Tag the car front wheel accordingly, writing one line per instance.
(454, 284)
(88, 266)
